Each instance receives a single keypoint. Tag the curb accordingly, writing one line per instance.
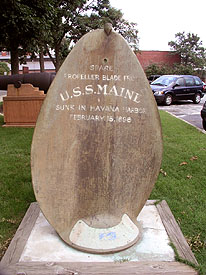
(200, 130)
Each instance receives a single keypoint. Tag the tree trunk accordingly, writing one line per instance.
(41, 61)
(57, 55)
(14, 61)
(51, 57)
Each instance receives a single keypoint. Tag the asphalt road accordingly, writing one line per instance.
(187, 111)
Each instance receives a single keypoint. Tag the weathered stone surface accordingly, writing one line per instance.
(97, 145)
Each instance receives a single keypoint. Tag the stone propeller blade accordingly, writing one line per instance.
(97, 145)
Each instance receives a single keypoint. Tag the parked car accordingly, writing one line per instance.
(203, 115)
(170, 88)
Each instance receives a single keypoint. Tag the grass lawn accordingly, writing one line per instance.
(181, 182)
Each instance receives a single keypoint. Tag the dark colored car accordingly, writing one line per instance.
(203, 115)
(170, 88)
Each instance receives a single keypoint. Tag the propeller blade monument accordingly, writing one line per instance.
(97, 145)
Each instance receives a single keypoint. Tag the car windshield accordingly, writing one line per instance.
(164, 80)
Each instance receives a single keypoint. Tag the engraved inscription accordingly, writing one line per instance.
(100, 112)
(98, 90)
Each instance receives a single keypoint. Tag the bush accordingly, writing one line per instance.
(158, 69)
(4, 68)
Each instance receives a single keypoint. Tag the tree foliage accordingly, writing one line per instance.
(53, 26)
(192, 53)
(4, 68)
(189, 46)
(22, 22)
(155, 69)
(75, 18)
(161, 69)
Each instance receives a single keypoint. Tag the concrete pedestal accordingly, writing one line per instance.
(37, 249)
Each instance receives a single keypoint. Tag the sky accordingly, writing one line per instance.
(159, 20)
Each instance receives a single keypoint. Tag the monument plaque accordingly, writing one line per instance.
(97, 145)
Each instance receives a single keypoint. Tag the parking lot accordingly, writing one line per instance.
(187, 111)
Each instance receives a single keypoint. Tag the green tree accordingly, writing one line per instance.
(189, 46)
(22, 22)
(36, 26)
(73, 19)
(4, 68)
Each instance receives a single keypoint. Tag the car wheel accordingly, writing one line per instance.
(168, 100)
(197, 98)
(204, 124)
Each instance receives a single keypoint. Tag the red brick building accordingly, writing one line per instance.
(147, 58)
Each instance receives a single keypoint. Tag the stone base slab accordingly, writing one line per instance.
(37, 249)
